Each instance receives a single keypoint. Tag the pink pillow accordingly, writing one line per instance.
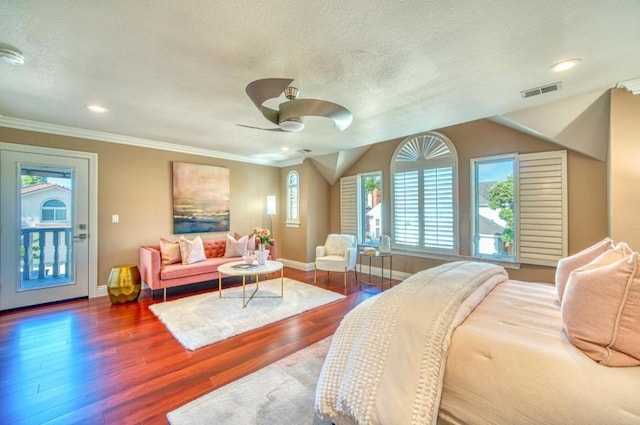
(601, 308)
(568, 264)
(169, 251)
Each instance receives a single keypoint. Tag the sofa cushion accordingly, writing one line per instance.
(170, 251)
(214, 247)
(235, 248)
(210, 265)
(191, 251)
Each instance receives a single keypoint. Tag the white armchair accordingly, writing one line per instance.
(338, 254)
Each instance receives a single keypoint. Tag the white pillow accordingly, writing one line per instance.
(191, 251)
(235, 248)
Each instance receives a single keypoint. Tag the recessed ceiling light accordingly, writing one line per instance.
(284, 148)
(565, 65)
(97, 108)
(11, 56)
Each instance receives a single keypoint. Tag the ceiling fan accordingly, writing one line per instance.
(290, 114)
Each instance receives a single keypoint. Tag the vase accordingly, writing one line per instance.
(261, 256)
(385, 244)
(123, 284)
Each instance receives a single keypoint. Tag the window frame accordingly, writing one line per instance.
(54, 210)
(475, 208)
(362, 212)
(427, 151)
(293, 205)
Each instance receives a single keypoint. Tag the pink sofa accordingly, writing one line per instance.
(158, 276)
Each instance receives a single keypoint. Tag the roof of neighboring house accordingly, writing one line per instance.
(25, 190)
(489, 227)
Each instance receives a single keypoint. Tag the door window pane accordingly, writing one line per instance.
(46, 241)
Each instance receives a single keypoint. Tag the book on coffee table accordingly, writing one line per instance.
(244, 266)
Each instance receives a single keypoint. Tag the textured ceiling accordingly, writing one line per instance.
(173, 73)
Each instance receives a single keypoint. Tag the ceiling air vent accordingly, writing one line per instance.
(542, 89)
(304, 151)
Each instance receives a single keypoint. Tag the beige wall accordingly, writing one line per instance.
(136, 184)
(299, 242)
(587, 189)
(624, 167)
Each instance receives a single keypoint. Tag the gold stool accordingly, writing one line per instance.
(123, 284)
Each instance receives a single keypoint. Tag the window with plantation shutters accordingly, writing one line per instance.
(424, 184)
(293, 199)
(520, 207)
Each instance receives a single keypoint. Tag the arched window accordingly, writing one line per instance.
(293, 199)
(53, 210)
(424, 172)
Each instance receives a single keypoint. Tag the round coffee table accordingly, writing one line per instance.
(239, 268)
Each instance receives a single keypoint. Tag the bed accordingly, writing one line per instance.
(489, 350)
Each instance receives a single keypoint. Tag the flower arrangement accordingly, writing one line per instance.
(264, 235)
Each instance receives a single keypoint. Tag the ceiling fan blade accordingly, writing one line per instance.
(260, 128)
(340, 115)
(259, 91)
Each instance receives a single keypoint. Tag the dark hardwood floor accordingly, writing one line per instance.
(90, 362)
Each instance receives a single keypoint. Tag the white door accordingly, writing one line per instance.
(45, 254)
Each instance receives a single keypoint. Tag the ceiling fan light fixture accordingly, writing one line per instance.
(12, 57)
(291, 93)
(291, 124)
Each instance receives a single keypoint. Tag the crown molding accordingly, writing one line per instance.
(61, 130)
(631, 85)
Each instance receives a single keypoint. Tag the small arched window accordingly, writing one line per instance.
(425, 185)
(53, 210)
(293, 199)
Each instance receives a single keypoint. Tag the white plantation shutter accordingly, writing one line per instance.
(424, 197)
(542, 207)
(406, 226)
(438, 208)
(349, 205)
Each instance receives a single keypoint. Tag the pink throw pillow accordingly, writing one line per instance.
(601, 308)
(169, 251)
(568, 264)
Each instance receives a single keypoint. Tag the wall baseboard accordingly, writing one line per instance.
(307, 267)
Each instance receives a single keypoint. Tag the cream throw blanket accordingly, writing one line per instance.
(387, 359)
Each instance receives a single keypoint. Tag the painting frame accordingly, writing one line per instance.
(200, 198)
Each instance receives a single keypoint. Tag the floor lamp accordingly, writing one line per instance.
(271, 208)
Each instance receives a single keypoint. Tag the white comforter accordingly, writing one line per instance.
(387, 359)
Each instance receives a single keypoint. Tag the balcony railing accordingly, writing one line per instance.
(45, 252)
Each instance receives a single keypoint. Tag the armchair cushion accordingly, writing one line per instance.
(337, 254)
(339, 244)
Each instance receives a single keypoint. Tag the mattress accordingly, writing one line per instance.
(510, 362)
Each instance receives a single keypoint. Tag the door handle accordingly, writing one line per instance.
(81, 236)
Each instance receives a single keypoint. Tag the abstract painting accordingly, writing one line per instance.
(200, 198)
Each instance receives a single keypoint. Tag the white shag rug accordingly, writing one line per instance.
(281, 393)
(206, 318)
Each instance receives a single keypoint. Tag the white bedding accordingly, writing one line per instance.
(511, 363)
(386, 361)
